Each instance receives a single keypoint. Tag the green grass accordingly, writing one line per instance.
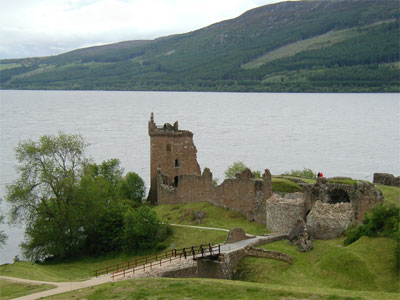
(306, 180)
(391, 194)
(81, 269)
(171, 289)
(217, 217)
(344, 181)
(10, 289)
(285, 186)
(366, 265)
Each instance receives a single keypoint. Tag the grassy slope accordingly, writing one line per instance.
(368, 264)
(391, 194)
(83, 268)
(217, 217)
(171, 289)
(317, 42)
(10, 289)
(210, 58)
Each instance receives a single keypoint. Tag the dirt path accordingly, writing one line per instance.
(200, 227)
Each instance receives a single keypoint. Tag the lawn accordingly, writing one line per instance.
(366, 265)
(217, 217)
(204, 289)
(10, 289)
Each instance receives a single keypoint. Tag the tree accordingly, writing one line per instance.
(239, 167)
(3, 236)
(45, 196)
(133, 188)
(141, 228)
(236, 167)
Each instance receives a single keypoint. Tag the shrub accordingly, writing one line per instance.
(305, 173)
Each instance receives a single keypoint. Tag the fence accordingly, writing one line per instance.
(149, 262)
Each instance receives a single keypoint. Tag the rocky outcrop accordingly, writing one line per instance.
(300, 236)
(235, 235)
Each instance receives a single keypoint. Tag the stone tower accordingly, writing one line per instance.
(173, 151)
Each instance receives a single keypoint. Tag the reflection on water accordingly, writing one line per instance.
(340, 134)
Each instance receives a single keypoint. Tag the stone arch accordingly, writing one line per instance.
(338, 196)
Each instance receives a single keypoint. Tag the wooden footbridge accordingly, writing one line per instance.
(157, 260)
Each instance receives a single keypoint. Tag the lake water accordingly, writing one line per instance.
(351, 135)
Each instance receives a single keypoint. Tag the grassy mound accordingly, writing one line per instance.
(368, 264)
(281, 185)
(217, 217)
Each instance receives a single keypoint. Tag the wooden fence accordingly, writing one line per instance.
(151, 261)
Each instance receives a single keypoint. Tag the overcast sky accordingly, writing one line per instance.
(46, 27)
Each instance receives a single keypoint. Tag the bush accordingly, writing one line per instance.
(305, 173)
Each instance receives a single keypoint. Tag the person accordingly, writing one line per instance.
(319, 174)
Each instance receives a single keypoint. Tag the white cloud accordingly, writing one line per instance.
(45, 27)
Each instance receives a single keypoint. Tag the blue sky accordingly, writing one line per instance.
(47, 27)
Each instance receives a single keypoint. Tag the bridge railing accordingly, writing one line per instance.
(158, 259)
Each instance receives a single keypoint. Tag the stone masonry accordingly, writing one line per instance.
(284, 212)
(173, 151)
(328, 221)
(386, 179)
(176, 178)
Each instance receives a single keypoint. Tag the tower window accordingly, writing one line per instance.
(176, 181)
(177, 163)
(169, 147)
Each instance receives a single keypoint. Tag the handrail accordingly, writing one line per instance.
(132, 264)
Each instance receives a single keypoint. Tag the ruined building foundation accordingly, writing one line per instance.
(328, 207)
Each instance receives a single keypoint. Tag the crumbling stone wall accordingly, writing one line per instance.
(386, 179)
(244, 194)
(327, 221)
(284, 212)
(361, 195)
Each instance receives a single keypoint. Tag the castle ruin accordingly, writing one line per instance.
(328, 207)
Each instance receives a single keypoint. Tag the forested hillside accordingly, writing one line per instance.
(302, 46)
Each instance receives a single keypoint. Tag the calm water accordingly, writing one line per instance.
(339, 134)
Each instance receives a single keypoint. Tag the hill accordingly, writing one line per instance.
(302, 46)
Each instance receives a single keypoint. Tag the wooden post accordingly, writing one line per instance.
(219, 249)
(96, 273)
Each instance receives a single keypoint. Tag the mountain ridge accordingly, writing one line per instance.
(211, 58)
